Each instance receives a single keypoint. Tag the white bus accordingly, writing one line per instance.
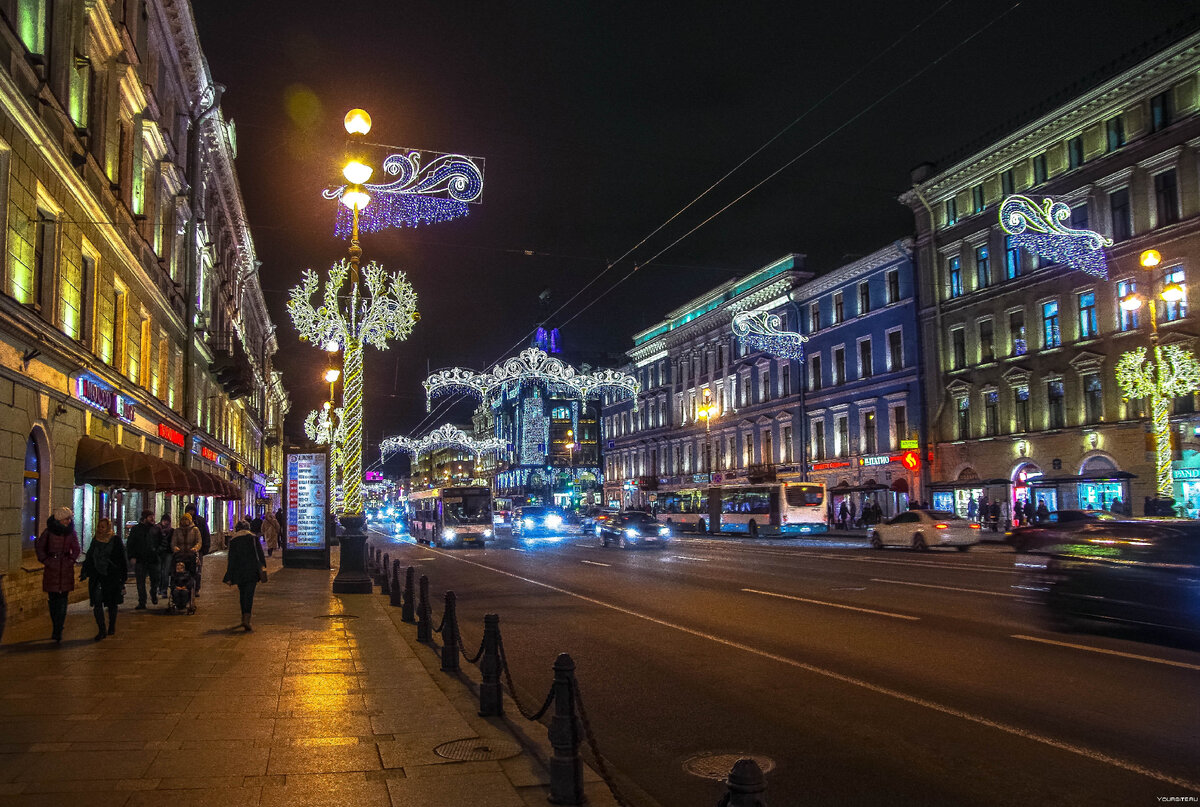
(683, 509)
(774, 508)
(453, 516)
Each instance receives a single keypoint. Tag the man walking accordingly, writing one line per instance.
(161, 535)
(144, 555)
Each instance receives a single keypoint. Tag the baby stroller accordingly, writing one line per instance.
(183, 584)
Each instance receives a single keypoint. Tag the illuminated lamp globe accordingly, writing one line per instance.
(332, 374)
(1172, 292)
(356, 173)
(357, 122)
(1131, 302)
(327, 406)
(1150, 258)
(332, 346)
(355, 199)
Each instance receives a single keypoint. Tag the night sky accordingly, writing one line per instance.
(598, 123)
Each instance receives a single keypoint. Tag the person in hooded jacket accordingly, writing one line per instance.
(270, 532)
(57, 548)
(246, 567)
(106, 568)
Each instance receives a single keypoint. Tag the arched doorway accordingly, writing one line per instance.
(1026, 490)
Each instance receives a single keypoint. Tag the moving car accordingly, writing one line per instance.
(1059, 526)
(633, 528)
(1142, 573)
(535, 520)
(922, 529)
(590, 525)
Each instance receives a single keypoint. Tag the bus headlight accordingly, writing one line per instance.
(449, 534)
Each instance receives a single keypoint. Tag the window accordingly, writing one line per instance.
(45, 244)
(1127, 320)
(818, 433)
(1016, 332)
(1178, 309)
(958, 348)
(842, 437)
(983, 268)
(1087, 315)
(80, 91)
(839, 366)
(1162, 111)
(120, 327)
(785, 380)
(991, 414)
(1039, 169)
(1051, 336)
(951, 211)
(893, 286)
(899, 425)
(814, 318)
(72, 301)
(1114, 130)
(864, 298)
(1021, 409)
(33, 25)
(1055, 409)
(954, 267)
(1093, 398)
(814, 373)
(1012, 258)
(895, 349)
(720, 358)
(1007, 184)
(865, 368)
(1122, 224)
(869, 443)
(987, 342)
(839, 308)
(1075, 151)
(145, 350)
(1166, 198)
(963, 407)
(977, 204)
(765, 386)
(768, 448)
(1079, 217)
(786, 444)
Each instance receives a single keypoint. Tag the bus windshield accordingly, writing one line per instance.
(467, 506)
(805, 495)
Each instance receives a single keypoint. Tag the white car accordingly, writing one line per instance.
(921, 529)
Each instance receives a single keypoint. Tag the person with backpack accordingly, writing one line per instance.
(144, 555)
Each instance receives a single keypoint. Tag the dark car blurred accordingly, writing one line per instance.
(595, 517)
(633, 528)
(1060, 525)
(1144, 573)
(535, 520)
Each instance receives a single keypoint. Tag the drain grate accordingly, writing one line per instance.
(336, 616)
(477, 749)
(717, 766)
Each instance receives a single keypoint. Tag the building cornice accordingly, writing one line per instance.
(897, 251)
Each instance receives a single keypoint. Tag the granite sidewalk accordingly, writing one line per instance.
(327, 702)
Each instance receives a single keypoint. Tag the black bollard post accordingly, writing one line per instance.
(383, 574)
(745, 784)
(491, 694)
(395, 593)
(370, 560)
(424, 632)
(450, 635)
(406, 612)
(566, 768)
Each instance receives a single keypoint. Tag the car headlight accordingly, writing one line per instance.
(487, 533)
(664, 530)
(528, 522)
(553, 522)
(449, 534)
(632, 533)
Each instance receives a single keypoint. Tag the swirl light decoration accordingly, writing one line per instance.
(439, 191)
(763, 331)
(1174, 371)
(531, 366)
(445, 436)
(388, 310)
(1040, 229)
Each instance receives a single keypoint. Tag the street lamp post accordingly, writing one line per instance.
(1169, 371)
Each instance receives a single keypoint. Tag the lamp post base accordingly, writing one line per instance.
(352, 575)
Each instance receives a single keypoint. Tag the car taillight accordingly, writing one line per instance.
(941, 526)
(974, 526)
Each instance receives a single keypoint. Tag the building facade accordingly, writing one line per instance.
(1022, 397)
(135, 345)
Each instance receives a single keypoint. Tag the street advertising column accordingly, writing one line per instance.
(306, 510)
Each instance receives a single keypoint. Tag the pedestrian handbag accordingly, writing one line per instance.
(262, 575)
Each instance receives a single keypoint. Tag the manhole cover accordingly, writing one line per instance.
(477, 750)
(336, 616)
(717, 766)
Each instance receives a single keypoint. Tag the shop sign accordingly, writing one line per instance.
(912, 459)
(106, 399)
(373, 476)
(882, 459)
(1185, 473)
(307, 487)
(828, 466)
(208, 454)
(171, 434)
(909, 445)
(699, 477)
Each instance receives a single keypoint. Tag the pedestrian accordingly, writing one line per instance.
(200, 524)
(994, 515)
(246, 569)
(187, 539)
(1117, 506)
(853, 518)
(162, 545)
(57, 548)
(270, 532)
(972, 508)
(106, 569)
(843, 514)
(1043, 512)
(256, 525)
(1030, 511)
(143, 554)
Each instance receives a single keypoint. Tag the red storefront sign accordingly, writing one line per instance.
(108, 400)
(911, 460)
(171, 435)
(829, 466)
(208, 453)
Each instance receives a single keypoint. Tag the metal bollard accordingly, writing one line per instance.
(406, 611)
(450, 635)
(383, 574)
(566, 768)
(394, 591)
(424, 632)
(370, 560)
(745, 784)
(491, 694)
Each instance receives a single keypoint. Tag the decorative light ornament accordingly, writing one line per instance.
(763, 331)
(1174, 371)
(325, 426)
(445, 436)
(1040, 230)
(531, 366)
(388, 310)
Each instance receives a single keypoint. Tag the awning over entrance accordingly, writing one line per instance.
(900, 485)
(99, 463)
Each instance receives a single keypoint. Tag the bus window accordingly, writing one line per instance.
(805, 495)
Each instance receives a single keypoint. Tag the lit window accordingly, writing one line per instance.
(1087, 315)
(1051, 336)
(954, 268)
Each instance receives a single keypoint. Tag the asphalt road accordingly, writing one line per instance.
(867, 677)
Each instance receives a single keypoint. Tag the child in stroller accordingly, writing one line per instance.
(183, 584)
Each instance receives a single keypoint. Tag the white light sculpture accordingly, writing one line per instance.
(1040, 229)
(762, 330)
(445, 436)
(327, 428)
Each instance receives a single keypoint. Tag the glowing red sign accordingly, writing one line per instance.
(828, 466)
(105, 399)
(171, 435)
(911, 460)
(208, 453)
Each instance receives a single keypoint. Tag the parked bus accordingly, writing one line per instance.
(453, 516)
(773, 508)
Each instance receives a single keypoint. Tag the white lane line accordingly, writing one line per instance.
(595, 563)
(1007, 728)
(689, 557)
(1090, 649)
(945, 588)
(516, 549)
(832, 604)
(434, 558)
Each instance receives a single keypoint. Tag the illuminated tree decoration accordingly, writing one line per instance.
(1178, 373)
(530, 366)
(388, 310)
(439, 191)
(1040, 230)
(325, 429)
(445, 436)
(762, 330)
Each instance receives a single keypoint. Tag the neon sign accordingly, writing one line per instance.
(171, 435)
(105, 399)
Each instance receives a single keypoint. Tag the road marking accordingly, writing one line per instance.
(595, 563)
(516, 549)
(688, 557)
(1090, 649)
(1016, 731)
(434, 558)
(832, 604)
(946, 588)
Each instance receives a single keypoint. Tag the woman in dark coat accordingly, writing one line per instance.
(57, 548)
(106, 569)
(246, 567)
